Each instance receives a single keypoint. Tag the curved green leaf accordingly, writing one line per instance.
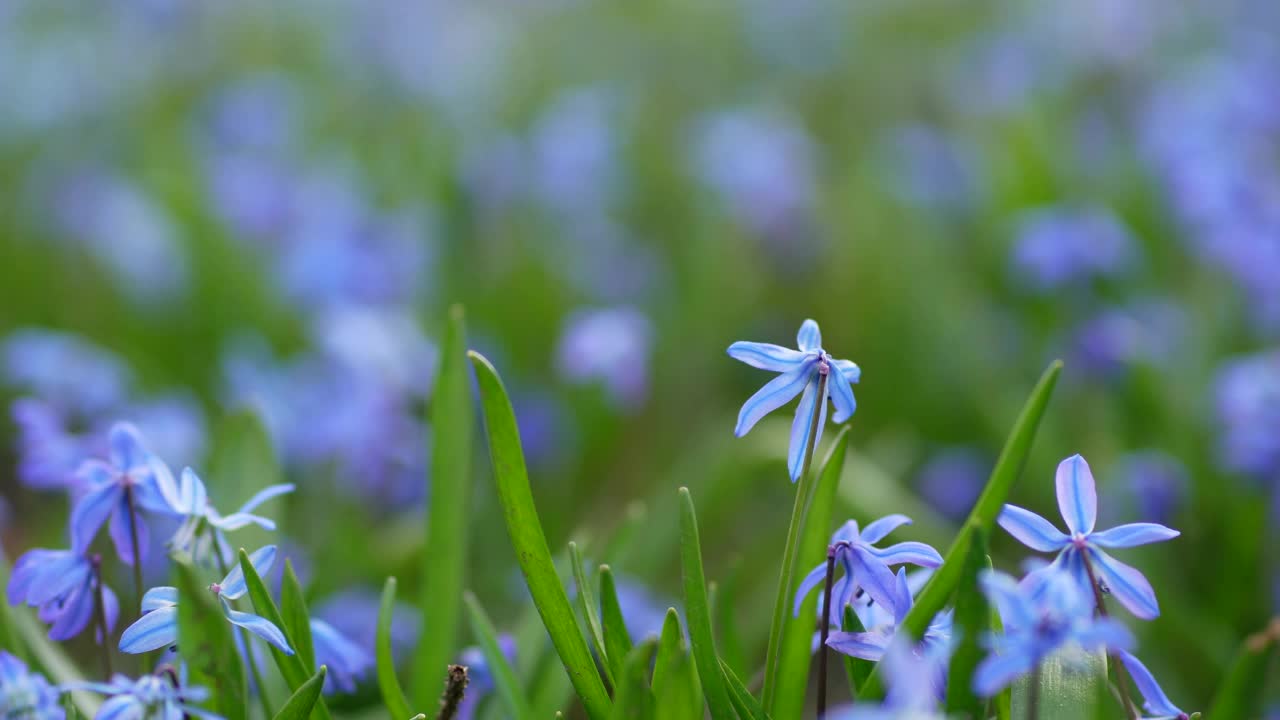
(587, 606)
(208, 647)
(617, 640)
(675, 682)
(504, 678)
(530, 544)
(747, 706)
(634, 700)
(297, 619)
(392, 695)
(1243, 688)
(304, 699)
(698, 614)
(972, 621)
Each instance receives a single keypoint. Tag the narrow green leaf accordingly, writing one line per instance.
(1007, 470)
(504, 678)
(1068, 683)
(208, 647)
(747, 706)
(723, 603)
(698, 614)
(1242, 690)
(972, 621)
(392, 696)
(855, 669)
(634, 699)
(617, 640)
(297, 619)
(675, 681)
(444, 557)
(795, 649)
(590, 611)
(530, 544)
(304, 699)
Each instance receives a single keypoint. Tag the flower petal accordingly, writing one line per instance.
(1010, 602)
(775, 393)
(266, 494)
(766, 356)
(810, 337)
(127, 449)
(75, 613)
(996, 672)
(234, 586)
(1031, 530)
(121, 707)
(110, 608)
(90, 512)
(877, 530)
(913, 553)
(849, 369)
(156, 629)
(159, 597)
(1156, 702)
(1106, 633)
(235, 521)
(842, 398)
(1133, 535)
(902, 601)
(810, 581)
(1077, 495)
(865, 645)
(121, 521)
(1129, 586)
(259, 626)
(802, 426)
(874, 576)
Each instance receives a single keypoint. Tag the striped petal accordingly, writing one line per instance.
(159, 597)
(90, 512)
(849, 369)
(155, 630)
(810, 581)
(1077, 495)
(1031, 530)
(1156, 701)
(1127, 585)
(767, 356)
(802, 426)
(841, 396)
(865, 645)
(1133, 535)
(234, 585)
(912, 553)
(877, 530)
(259, 626)
(809, 338)
(776, 393)
(266, 494)
(874, 576)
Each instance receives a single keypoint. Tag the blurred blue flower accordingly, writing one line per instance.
(1078, 501)
(65, 370)
(1148, 331)
(26, 694)
(799, 371)
(875, 642)
(48, 454)
(642, 610)
(347, 662)
(931, 168)
(479, 677)
(1247, 393)
(173, 424)
(150, 696)
(1154, 699)
(952, 478)
(354, 614)
(1152, 483)
(611, 346)
(914, 676)
(1041, 614)
(120, 489)
(201, 532)
(158, 627)
(574, 148)
(63, 584)
(866, 567)
(1061, 246)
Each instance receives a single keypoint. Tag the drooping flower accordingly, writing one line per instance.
(203, 526)
(150, 696)
(1046, 611)
(872, 644)
(121, 490)
(866, 566)
(63, 584)
(347, 662)
(26, 694)
(800, 371)
(1082, 549)
(158, 627)
(1154, 699)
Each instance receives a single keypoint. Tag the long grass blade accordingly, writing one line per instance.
(393, 696)
(504, 678)
(698, 614)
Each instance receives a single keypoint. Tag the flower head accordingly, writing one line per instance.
(347, 661)
(150, 696)
(1080, 553)
(1154, 699)
(63, 584)
(800, 371)
(871, 645)
(913, 674)
(119, 489)
(158, 627)
(26, 694)
(202, 524)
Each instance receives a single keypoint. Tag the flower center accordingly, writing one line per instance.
(216, 589)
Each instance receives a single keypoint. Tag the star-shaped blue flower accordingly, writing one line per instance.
(871, 645)
(150, 696)
(1154, 699)
(202, 530)
(120, 489)
(1078, 501)
(25, 693)
(801, 371)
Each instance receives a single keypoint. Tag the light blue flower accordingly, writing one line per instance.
(150, 697)
(347, 662)
(610, 346)
(158, 627)
(871, 645)
(26, 694)
(1078, 501)
(121, 490)
(202, 524)
(800, 372)
(63, 585)
(1154, 699)
(913, 675)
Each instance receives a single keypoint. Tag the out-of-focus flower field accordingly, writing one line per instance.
(209, 209)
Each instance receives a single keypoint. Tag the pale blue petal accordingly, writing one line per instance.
(158, 597)
(1031, 530)
(874, 576)
(1128, 586)
(110, 608)
(1133, 535)
(234, 586)
(235, 521)
(266, 494)
(121, 521)
(1003, 591)
(878, 530)
(902, 601)
(259, 626)
(802, 426)
(809, 338)
(127, 448)
(913, 553)
(75, 614)
(849, 369)
(54, 574)
(121, 707)
(767, 356)
(1106, 633)
(90, 512)
(996, 672)
(841, 397)
(865, 645)
(1077, 495)
(155, 630)
(776, 393)
(810, 581)
(1156, 701)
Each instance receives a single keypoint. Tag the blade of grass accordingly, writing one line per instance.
(795, 648)
(393, 696)
(634, 700)
(1007, 470)
(617, 640)
(698, 614)
(1244, 686)
(444, 557)
(972, 620)
(747, 706)
(304, 699)
(504, 678)
(208, 647)
(587, 606)
(675, 682)
(530, 544)
(297, 619)
(723, 604)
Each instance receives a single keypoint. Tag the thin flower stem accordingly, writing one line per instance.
(133, 542)
(1122, 676)
(1033, 695)
(804, 495)
(244, 636)
(824, 625)
(101, 610)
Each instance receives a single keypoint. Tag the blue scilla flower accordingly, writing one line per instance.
(347, 662)
(1045, 612)
(801, 371)
(149, 697)
(63, 584)
(610, 346)
(867, 566)
(202, 524)
(913, 673)
(871, 645)
(1082, 549)
(1154, 699)
(65, 370)
(26, 694)
(119, 489)
(158, 627)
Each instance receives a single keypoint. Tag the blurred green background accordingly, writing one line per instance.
(271, 205)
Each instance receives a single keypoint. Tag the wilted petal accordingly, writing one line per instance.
(913, 553)
(996, 672)
(1077, 495)
(259, 626)
(89, 514)
(810, 581)
(810, 337)
(1133, 535)
(1031, 530)
(1129, 587)
(841, 396)
(159, 597)
(802, 426)
(776, 393)
(155, 630)
(766, 356)
(1156, 701)
(877, 530)
(865, 645)
(234, 586)
(266, 494)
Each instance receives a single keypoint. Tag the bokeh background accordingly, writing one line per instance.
(208, 207)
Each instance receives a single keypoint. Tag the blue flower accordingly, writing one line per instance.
(1060, 246)
(866, 566)
(347, 661)
(1154, 699)
(610, 346)
(1043, 613)
(871, 645)
(800, 371)
(26, 694)
(158, 627)
(63, 584)
(120, 490)
(913, 675)
(1078, 501)
(202, 524)
(150, 696)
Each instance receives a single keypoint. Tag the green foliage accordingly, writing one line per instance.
(444, 557)
(856, 670)
(744, 703)
(393, 696)
(504, 678)
(634, 699)
(972, 621)
(1068, 685)
(617, 639)
(698, 614)
(304, 699)
(297, 620)
(208, 646)
(1242, 690)
(530, 544)
(587, 606)
(675, 680)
